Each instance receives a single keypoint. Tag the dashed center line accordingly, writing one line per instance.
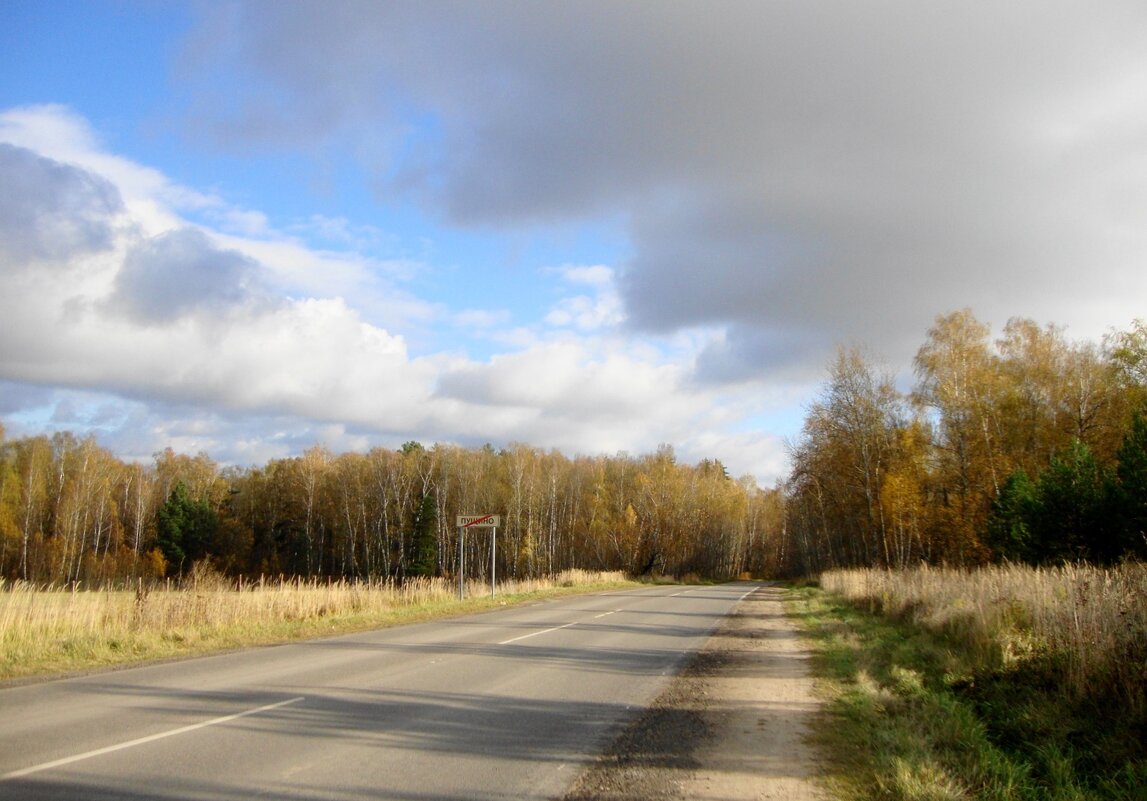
(555, 628)
(536, 633)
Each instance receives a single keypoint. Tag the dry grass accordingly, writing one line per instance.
(52, 630)
(1006, 683)
(1090, 621)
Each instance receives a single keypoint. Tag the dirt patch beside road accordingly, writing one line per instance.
(732, 726)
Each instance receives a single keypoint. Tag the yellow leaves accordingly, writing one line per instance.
(156, 564)
(630, 517)
(902, 498)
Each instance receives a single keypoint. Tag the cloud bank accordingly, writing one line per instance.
(798, 174)
(153, 329)
(785, 177)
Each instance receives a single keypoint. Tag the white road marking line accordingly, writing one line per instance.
(16, 774)
(536, 633)
(555, 628)
(595, 617)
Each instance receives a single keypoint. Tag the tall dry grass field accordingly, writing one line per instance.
(48, 629)
(1091, 622)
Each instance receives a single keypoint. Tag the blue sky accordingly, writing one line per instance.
(248, 227)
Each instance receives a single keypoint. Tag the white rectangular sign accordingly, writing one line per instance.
(479, 521)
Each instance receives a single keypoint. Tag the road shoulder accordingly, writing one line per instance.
(733, 725)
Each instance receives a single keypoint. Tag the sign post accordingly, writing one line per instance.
(475, 521)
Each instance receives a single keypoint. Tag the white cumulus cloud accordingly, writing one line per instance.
(126, 317)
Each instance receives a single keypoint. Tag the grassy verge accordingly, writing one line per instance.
(45, 631)
(928, 712)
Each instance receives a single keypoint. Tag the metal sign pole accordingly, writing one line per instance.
(476, 521)
(461, 563)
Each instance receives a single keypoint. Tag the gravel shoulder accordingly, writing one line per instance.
(732, 726)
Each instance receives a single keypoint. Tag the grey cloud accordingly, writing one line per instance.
(49, 211)
(16, 398)
(137, 428)
(179, 273)
(754, 352)
(470, 384)
(802, 172)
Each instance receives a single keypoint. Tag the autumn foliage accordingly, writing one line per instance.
(1029, 448)
(71, 512)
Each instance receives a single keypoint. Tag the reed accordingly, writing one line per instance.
(1006, 683)
(1090, 622)
(57, 629)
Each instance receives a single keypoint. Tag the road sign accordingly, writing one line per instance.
(475, 521)
(479, 521)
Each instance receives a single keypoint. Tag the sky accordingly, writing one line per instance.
(247, 228)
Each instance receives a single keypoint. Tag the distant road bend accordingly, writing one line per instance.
(502, 705)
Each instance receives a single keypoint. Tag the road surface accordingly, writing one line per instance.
(502, 705)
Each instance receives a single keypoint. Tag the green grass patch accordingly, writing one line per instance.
(911, 717)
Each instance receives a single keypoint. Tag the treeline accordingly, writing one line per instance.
(1027, 448)
(70, 511)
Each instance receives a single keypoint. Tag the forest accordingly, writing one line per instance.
(72, 512)
(1029, 448)
(1025, 448)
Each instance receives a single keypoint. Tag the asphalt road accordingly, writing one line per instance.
(502, 705)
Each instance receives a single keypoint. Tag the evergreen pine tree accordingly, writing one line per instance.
(1009, 526)
(424, 543)
(185, 528)
(1130, 491)
(1071, 519)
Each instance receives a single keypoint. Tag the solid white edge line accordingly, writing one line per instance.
(16, 774)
